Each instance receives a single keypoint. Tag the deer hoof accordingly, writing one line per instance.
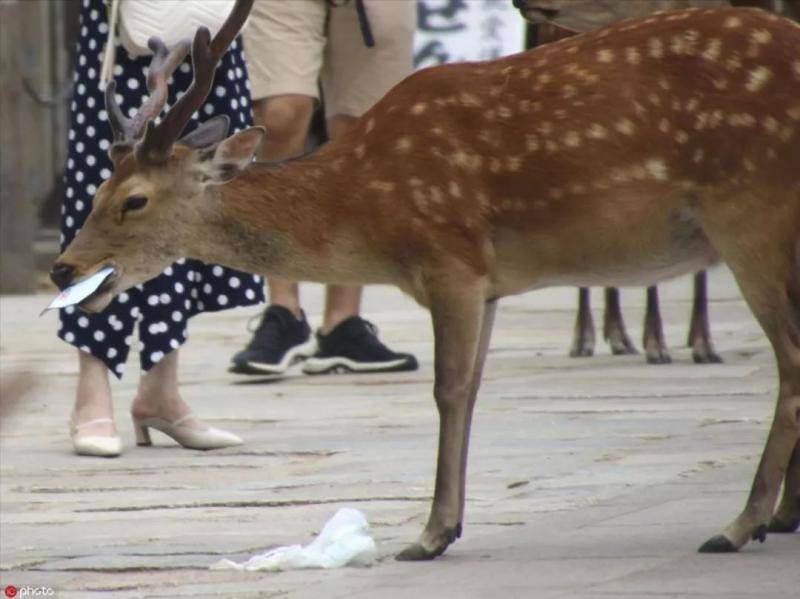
(706, 357)
(581, 352)
(417, 553)
(623, 348)
(782, 526)
(718, 544)
(658, 357)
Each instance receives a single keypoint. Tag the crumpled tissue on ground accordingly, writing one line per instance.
(343, 541)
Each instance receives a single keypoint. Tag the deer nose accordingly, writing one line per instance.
(61, 274)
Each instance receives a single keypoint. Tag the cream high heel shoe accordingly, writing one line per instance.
(190, 438)
(95, 445)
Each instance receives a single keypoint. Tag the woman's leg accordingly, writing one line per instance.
(158, 404)
(92, 426)
(93, 413)
(158, 395)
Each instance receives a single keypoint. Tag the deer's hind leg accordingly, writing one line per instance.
(614, 326)
(767, 268)
(699, 338)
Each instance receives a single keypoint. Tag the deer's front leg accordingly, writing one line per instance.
(583, 336)
(457, 322)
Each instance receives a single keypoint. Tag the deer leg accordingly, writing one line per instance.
(614, 326)
(457, 325)
(699, 331)
(583, 337)
(770, 282)
(654, 345)
(787, 516)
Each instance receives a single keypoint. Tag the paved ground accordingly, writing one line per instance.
(593, 478)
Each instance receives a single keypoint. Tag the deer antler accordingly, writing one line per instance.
(206, 53)
(127, 130)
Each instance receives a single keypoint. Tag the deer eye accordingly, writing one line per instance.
(134, 203)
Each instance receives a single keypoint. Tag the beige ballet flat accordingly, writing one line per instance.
(95, 445)
(210, 438)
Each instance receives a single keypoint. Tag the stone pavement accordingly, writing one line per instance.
(592, 478)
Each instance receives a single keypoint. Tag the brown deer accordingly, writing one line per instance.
(470, 182)
(655, 346)
(584, 16)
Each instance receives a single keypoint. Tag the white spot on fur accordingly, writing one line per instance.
(681, 136)
(419, 108)
(713, 49)
(403, 144)
(384, 186)
(732, 23)
(771, 125)
(663, 125)
(741, 119)
(605, 55)
(757, 78)
(655, 47)
(596, 131)
(572, 139)
(632, 55)
(760, 36)
(698, 155)
(625, 126)
(513, 163)
(733, 62)
(657, 169)
(532, 143)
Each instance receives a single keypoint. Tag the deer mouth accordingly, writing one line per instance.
(102, 296)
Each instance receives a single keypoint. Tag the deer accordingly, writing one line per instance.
(614, 331)
(470, 182)
(653, 341)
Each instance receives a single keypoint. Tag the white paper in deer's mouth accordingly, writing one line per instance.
(75, 294)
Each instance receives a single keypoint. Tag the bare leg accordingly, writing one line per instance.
(699, 331)
(614, 326)
(583, 336)
(158, 395)
(458, 321)
(654, 345)
(93, 398)
(286, 119)
(341, 302)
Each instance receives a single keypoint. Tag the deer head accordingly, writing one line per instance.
(159, 179)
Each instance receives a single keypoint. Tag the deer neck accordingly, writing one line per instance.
(288, 220)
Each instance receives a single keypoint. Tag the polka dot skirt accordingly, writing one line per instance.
(161, 306)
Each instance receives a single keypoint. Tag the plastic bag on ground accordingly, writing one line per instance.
(343, 541)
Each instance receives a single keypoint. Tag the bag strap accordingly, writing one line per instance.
(363, 20)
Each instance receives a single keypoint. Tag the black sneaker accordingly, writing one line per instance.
(279, 341)
(353, 346)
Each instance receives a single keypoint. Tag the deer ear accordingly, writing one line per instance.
(230, 157)
(207, 134)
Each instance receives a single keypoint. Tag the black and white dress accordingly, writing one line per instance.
(161, 306)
